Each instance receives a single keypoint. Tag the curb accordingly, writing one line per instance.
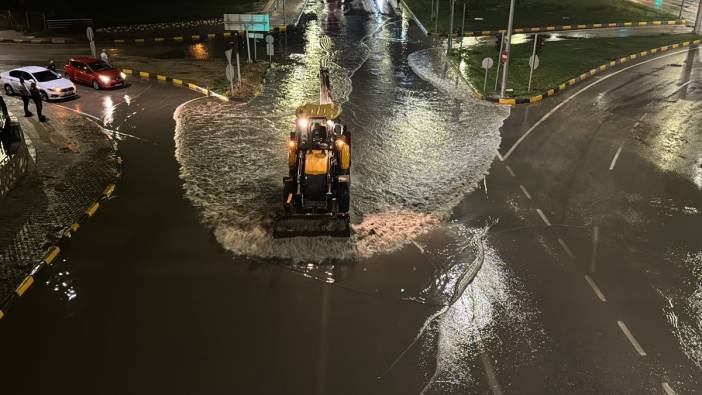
(175, 82)
(53, 252)
(582, 77)
(561, 28)
(195, 38)
(36, 40)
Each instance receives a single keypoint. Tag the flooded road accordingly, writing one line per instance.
(416, 151)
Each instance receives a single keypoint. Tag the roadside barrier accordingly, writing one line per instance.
(68, 232)
(175, 82)
(561, 28)
(582, 77)
(195, 38)
(46, 40)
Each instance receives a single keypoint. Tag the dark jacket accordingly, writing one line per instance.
(36, 95)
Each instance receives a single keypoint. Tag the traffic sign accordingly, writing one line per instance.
(269, 39)
(534, 62)
(252, 22)
(487, 63)
(229, 71)
(255, 35)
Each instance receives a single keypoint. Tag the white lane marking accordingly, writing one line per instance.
(616, 156)
(566, 249)
(91, 116)
(667, 389)
(485, 185)
(418, 247)
(525, 191)
(499, 156)
(509, 169)
(543, 217)
(643, 116)
(682, 86)
(595, 239)
(595, 288)
(576, 94)
(100, 123)
(631, 338)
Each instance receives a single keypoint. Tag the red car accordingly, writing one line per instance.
(91, 71)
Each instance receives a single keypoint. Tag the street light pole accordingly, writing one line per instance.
(450, 37)
(698, 22)
(508, 39)
(463, 24)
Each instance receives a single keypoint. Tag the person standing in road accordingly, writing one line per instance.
(36, 97)
(23, 92)
(52, 65)
(104, 57)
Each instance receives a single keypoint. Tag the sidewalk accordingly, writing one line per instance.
(74, 162)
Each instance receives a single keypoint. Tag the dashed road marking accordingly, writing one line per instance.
(509, 169)
(595, 239)
(526, 193)
(595, 288)
(418, 246)
(499, 156)
(616, 156)
(566, 249)
(631, 338)
(490, 373)
(543, 217)
(667, 389)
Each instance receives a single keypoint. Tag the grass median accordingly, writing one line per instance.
(559, 61)
(531, 13)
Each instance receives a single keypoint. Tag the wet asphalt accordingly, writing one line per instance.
(162, 308)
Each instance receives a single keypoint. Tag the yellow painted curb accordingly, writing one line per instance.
(611, 25)
(127, 71)
(119, 41)
(144, 74)
(1, 314)
(567, 27)
(160, 77)
(26, 283)
(192, 86)
(195, 37)
(139, 40)
(551, 92)
(52, 254)
(597, 25)
(177, 82)
(178, 38)
(108, 190)
(159, 39)
(92, 209)
(508, 101)
(536, 99)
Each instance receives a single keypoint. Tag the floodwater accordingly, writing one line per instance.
(416, 150)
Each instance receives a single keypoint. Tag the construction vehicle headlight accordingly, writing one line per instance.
(292, 144)
(330, 124)
(302, 123)
(339, 144)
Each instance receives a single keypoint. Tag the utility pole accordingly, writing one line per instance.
(508, 39)
(698, 22)
(436, 22)
(450, 37)
(682, 6)
(463, 25)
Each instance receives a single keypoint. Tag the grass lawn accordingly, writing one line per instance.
(559, 61)
(531, 13)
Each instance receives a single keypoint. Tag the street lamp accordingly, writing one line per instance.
(508, 40)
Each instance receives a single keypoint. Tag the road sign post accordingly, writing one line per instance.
(497, 75)
(507, 48)
(436, 22)
(450, 35)
(698, 21)
(238, 70)
(269, 47)
(487, 65)
(248, 47)
(91, 38)
(229, 71)
(533, 61)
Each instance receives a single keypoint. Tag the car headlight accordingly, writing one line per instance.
(104, 79)
(56, 89)
(124, 76)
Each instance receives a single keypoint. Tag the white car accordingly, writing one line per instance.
(51, 85)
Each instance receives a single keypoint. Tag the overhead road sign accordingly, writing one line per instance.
(250, 22)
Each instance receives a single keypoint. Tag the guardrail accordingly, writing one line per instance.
(68, 24)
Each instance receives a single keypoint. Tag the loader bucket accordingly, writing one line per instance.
(311, 225)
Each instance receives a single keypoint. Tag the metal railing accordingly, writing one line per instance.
(68, 24)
